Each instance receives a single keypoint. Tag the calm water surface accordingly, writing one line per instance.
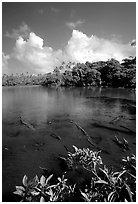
(50, 110)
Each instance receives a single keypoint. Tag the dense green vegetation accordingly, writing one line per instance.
(102, 73)
(101, 184)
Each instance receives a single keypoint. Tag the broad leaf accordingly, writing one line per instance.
(129, 192)
(110, 196)
(42, 180)
(19, 192)
(35, 193)
(105, 174)
(76, 149)
(85, 196)
(36, 179)
(20, 188)
(101, 182)
(121, 174)
(25, 179)
(49, 178)
(42, 199)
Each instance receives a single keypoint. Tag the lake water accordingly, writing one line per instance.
(50, 111)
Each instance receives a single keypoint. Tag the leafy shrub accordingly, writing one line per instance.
(42, 190)
(106, 185)
(86, 157)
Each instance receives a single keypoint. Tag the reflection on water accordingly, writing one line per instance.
(37, 104)
(50, 110)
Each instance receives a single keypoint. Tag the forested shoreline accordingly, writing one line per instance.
(109, 73)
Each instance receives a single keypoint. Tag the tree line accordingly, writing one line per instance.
(109, 73)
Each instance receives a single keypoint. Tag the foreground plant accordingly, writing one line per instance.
(86, 157)
(109, 186)
(42, 190)
(113, 186)
(105, 185)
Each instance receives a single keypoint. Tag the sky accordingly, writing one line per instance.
(37, 37)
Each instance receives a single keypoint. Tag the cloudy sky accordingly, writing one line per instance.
(36, 37)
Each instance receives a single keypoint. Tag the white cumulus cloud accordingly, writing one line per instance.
(80, 48)
(32, 52)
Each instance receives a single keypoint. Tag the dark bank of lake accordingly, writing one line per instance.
(50, 111)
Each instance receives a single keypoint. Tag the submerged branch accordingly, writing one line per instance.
(88, 137)
(123, 144)
(26, 124)
(59, 138)
(119, 128)
(132, 131)
(55, 136)
(79, 127)
(99, 148)
(116, 119)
